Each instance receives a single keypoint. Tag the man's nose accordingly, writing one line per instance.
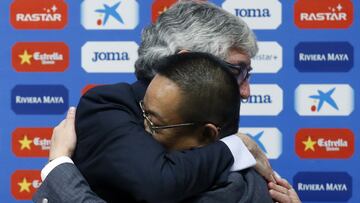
(244, 89)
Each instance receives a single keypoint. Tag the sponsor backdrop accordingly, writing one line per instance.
(302, 111)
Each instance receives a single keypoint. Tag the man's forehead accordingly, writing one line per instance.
(162, 97)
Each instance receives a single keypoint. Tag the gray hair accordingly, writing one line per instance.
(194, 26)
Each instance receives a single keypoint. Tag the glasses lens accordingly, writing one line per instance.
(234, 69)
(241, 71)
(244, 74)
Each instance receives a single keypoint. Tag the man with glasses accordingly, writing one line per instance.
(113, 151)
(192, 102)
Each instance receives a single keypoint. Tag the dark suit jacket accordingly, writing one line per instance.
(123, 163)
(245, 186)
(66, 184)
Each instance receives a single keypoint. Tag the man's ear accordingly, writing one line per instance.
(211, 133)
(181, 51)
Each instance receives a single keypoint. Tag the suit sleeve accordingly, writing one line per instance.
(126, 158)
(66, 184)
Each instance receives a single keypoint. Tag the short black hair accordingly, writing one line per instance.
(209, 90)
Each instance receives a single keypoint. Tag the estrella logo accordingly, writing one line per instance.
(332, 143)
(31, 142)
(107, 57)
(265, 100)
(24, 184)
(323, 14)
(39, 99)
(324, 56)
(159, 7)
(257, 14)
(268, 139)
(34, 14)
(40, 56)
(324, 100)
(109, 14)
(323, 186)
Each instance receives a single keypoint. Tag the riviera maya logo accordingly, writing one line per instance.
(324, 56)
(39, 99)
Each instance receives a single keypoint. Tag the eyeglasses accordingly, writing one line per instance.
(153, 127)
(241, 70)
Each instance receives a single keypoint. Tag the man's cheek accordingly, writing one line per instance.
(161, 139)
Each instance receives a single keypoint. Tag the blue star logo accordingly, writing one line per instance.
(325, 97)
(110, 11)
(256, 138)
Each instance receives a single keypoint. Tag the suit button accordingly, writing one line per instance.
(45, 200)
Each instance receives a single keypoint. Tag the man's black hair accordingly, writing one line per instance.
(210, 92)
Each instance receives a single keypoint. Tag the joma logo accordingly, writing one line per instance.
(258, 99)
(253, 12)
(110, 56)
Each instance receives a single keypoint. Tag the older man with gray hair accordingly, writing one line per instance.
(118, 158)
(198, 27)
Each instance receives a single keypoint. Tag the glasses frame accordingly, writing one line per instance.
(241, 70)
(154, 127)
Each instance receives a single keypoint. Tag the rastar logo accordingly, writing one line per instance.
(109, 56)
(159, 7)
(323, 186)
(31, 142)
(39, 99)
(324, 56)
(265, 100)
(109, 14)
(268, 139)
(25, 183)
(34, 14)
(257, 14)
(40, 56)
(324, 100)
(324, 143)
(323, 14)
(269, 58)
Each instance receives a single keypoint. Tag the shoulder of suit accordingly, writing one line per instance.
(111, 87)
